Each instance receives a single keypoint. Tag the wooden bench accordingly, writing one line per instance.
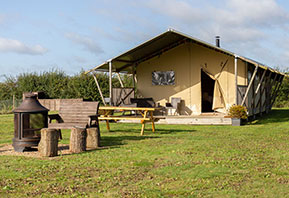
(75, 114)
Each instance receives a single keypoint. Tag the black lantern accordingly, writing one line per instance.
(29, 118)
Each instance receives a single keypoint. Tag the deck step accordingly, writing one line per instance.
(188, 120)
(197, 121)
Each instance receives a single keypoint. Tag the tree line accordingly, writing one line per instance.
(57, 84)
(282, 99)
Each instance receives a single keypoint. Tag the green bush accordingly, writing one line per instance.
(57, 84)
(238, 111)
(282, 99)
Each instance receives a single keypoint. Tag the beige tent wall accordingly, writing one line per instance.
(186, 61)
(242, 73)
(178, 60)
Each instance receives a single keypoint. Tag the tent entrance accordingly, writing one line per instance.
(207, 84)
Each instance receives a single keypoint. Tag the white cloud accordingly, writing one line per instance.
(179, 9)
(241, 19)
(15, 46)
(247, 27)
(86, 42)
(265, 13)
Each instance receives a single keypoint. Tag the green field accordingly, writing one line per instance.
(176, 161)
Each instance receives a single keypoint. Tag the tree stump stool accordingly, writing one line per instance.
(93, 137)
(48, 145)
(77, 142)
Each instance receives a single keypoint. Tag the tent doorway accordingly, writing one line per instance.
(207, 84)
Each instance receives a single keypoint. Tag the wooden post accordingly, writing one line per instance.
(259, 85)
(267, 93)
(107, 125)
(261, 93)
(250, 85)
(133, 78)
(253, 105)
(119, 79)
(13, 101)
(260, 102)
(99, 89)
(93, 137)
(48, 145)
(236, 78)
(77, 142)
(143, 123)
(110, 81)
(152, 120)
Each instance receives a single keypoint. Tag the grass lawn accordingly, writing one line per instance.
(176, 161)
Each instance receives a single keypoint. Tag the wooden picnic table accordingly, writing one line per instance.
(146, 115)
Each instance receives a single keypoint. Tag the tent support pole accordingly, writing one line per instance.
(250, 85)
(259, 103)
(261, 98)
(259, 85)
(267, 93)
(134, 78)
(272, 91)
(253, 104)
(236, 78)
(120, 81)
(99, 90)
(110, 82)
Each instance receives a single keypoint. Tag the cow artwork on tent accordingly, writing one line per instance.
(163, 78)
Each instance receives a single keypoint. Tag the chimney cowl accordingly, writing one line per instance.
(218, 43)
(30, 104)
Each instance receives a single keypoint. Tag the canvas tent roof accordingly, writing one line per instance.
(158, 45)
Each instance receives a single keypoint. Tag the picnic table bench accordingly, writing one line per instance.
(146, 115)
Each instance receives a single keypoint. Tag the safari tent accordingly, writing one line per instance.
(206, 77)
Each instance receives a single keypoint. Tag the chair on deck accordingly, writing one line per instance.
(143, 102)
(174, 105)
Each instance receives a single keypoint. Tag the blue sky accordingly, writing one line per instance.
(71, 35)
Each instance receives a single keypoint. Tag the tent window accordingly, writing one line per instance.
(163, 78)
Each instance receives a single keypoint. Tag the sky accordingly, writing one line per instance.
(74, 35)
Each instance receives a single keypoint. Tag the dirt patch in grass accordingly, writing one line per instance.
(8, 150)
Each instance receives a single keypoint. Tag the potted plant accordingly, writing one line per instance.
(237, 113)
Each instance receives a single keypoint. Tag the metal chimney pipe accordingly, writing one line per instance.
(218, 41)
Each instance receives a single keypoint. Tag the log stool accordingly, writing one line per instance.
(77, 142)
(48, 145)
(93, 137)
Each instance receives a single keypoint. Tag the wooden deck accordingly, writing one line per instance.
(203, 119)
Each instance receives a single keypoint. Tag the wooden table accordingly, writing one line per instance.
(146, 115)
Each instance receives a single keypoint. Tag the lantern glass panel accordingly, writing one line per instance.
(33, 123)
(16, 124)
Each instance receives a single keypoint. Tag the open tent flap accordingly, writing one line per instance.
(218, 98)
